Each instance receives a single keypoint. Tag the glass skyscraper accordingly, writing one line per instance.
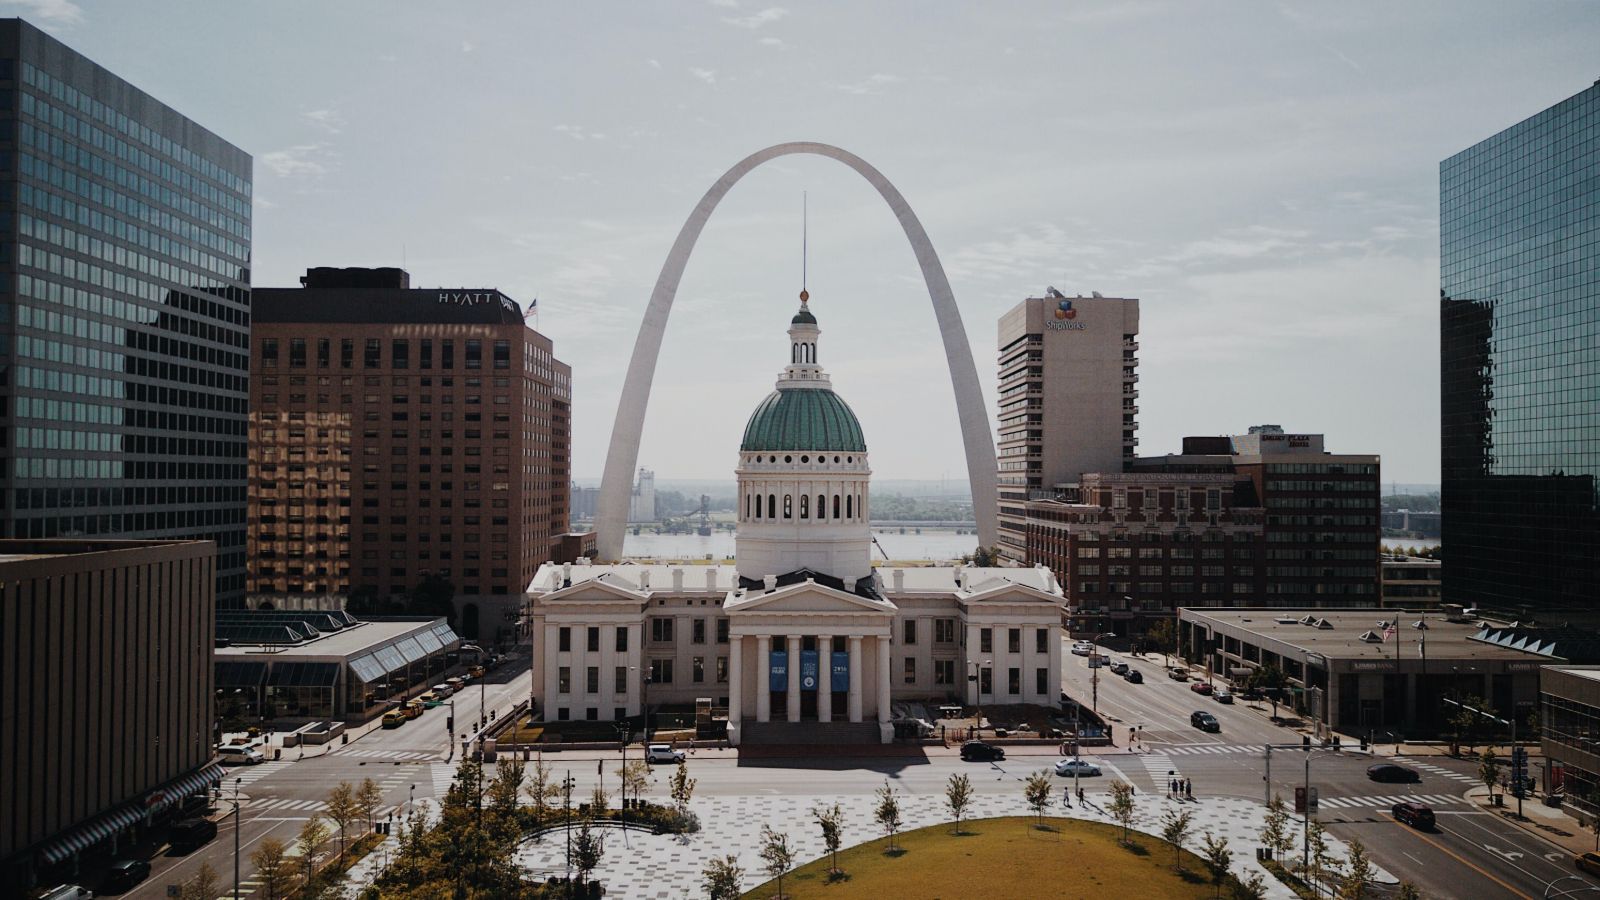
(124, 310)
(1519, 237)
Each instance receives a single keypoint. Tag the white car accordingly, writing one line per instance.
(662, 753)
(235, 755)
(1082, 648)
(1074, 765)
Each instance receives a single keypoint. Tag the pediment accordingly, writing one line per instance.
(1001, 590)
(806, 598)
(606, 587)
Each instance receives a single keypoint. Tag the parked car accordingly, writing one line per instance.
(124, 874)
(413, 710)
(443, 691)
(429, 699)
(978, 751)
(1073, 765)
(67, 892)
(1222, 695)
(190, 834)
(1204, 721)
(662, 753)
(394, 718)
(1120, 668)
(1178, 673)
(1389, 772)
(1200, 687)
(1082, 648)
(1133, 676)
(1588, 862)
(1417, 815)
(456, 684)
(236, 755)
(475, 671)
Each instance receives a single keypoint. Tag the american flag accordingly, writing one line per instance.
(1388, 632)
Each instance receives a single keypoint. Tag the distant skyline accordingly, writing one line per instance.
(1264, 178)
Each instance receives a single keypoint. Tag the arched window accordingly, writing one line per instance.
(747, 506)
(822, 506)
(836, 506)
(849, 512)
(772, 506)
(788, 506)
(805, 506)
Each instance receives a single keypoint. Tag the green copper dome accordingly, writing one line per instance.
(803, 317)
(803, 419)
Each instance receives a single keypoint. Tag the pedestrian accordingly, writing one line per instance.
(1080, 796)
(1188, 788)
(1066, 797)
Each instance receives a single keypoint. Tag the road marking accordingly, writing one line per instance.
(1467, 862)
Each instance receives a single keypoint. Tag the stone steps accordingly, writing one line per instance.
(809, 733)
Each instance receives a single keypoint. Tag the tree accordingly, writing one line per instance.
(776, 855)
(831, 821)
(1464, 721)
(1121, 806)
(1275, 829)
(1163, 636)
(983, 557)
(368, 798)
(722, 878)
(203, 886)
(1358, 873)
(1407, 891)
(1321, 858)
(599, 802)
(635, 777)
(682, 787)
(542, 789)
(958, 796)
(587, 849)
(343, 810)
(1218, 859)
(1489, 770)
(887, 812)
(1252, 888)
(271, 862)
(1175, 831)
(1270, 680)
(312, 836)
(1037, 790)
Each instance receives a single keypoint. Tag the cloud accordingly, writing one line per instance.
(726, 4)
(709, 76)
(301, 161)
(871, 85)
(654, 63)
(1240, 243)
(328, 119)
(467, 47)
(765, 17)
(54, 12)
(771, 42)
(1036, 254)
(579, 133)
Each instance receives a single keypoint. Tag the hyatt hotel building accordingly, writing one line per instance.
(124, 311)
(402, 433)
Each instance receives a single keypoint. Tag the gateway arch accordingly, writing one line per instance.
(616, 485)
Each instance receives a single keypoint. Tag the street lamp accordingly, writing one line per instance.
(975, 671)
(237, 821)
(1094, 668)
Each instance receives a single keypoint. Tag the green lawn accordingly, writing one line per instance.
(998, 859)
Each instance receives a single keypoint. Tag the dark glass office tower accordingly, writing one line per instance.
(1519, 235)
(124, 310)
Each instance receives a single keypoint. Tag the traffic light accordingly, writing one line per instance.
(450, 724)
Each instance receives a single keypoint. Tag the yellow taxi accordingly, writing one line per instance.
(475, 671)
(394, 719)
(1588, 862)
(413, 710)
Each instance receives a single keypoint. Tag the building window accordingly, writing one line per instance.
(564, 680)
(565, 639)
(1041, 640)
(1041, 679)
(722, 670)
(622, 639)
(563, 714)
(698, 669)
(944, 672)
(661, 630)
(474, 354)
(697, 632)
(269, 351)
(347, 353)
(591, 680)
(618, 714)
(622, 680)
(661, 671)
(986, 681)
(593, 639)
(502, 354)
(1013, 681)
(297, 353)
(722, 631)
(1014, 641)
(592, 714)
(447, 356)
(373, 357)
(788, 506)
(425, 358)
(911, 670)
(944, 631)
(324, 353)
(985, 640)
(400, 354)
(909, 627)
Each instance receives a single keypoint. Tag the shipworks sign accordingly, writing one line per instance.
(1063, 318)
(473, 298)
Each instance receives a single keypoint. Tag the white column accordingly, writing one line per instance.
(855, 678)
(735, 679)
(763, 678)
(883, 680)
(608, 699)
(1053, 645)
(970, 665)
(635, 665)
(552, 641)
(794, 674)
(824, 677)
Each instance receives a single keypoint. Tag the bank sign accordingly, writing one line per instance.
(1063, 318)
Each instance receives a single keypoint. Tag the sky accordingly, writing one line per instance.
(1263, 176)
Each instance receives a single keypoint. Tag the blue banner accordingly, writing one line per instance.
(809, 665)
(841, 672)
(779, 671)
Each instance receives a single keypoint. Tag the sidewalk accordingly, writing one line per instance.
(1555, 826)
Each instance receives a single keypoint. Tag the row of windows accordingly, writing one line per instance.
(399, 353)
(769, 510)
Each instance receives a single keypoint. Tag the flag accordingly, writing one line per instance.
(1388, 632)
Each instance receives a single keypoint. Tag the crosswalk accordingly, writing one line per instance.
(1194, 749)
(399, 755)
(1159, 765)
(1432, 769)
(281, 804)
(443, 774)
(1352, 802)
(248, 775)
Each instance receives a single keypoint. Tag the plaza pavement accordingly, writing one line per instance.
(637, 864)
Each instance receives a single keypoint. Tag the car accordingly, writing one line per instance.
(124, 874)
(1133, 676)
(413, 710)
(1390, 772)
(394, 718)
(978, 751)
(190, 834)
(68, 892)
(1178, 673)
(476, 671)
(662, 753)
(1417, 815)
(1204, 721)
(429, 699)
(1588, 862)
(456, 684)
(1075, 766)
(1200, 687)
(442, 691)
(236, 755)
(1222, 695)
(1120, 668)
(1082, 648)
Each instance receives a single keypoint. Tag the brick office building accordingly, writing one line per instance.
(398, 434)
